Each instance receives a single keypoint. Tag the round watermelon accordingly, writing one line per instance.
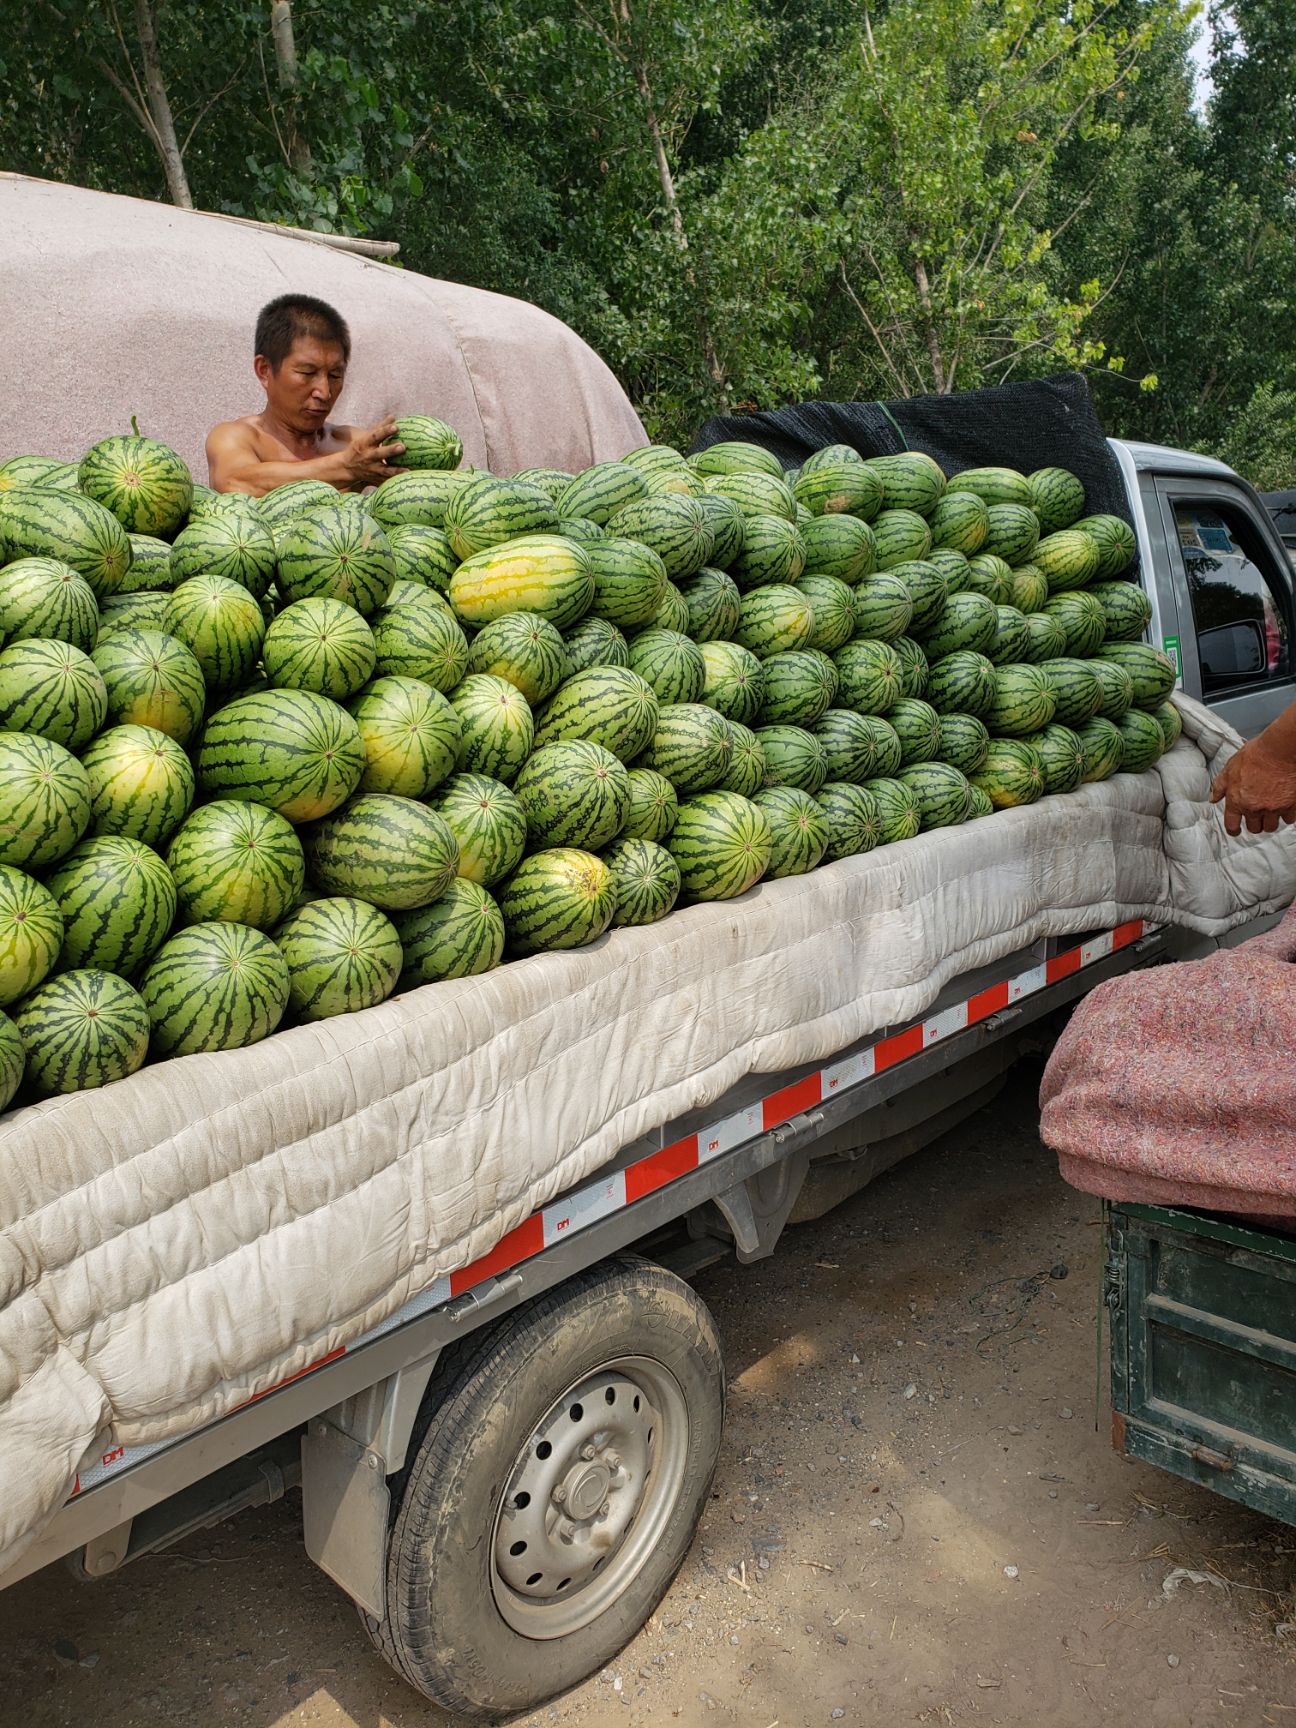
(834, 614)
(574, 793)
(44, 801)
(746, 771)
(320, 645)
(423, 555)
(595, 642)
(238, 863)
(691, 746)
(645, 880)
(80, 1030)
(798, 830)
(489, 823)
(940, 791)
(31, 934)
(1011, 774)
(793, 757)
(429, 442)
(53, 690)
(118, 902)
(524, 648)
(221, 625)
(883, 608)
(856, 746)
(714, 601)
(419, 637)
(141, 783)
(214, 987)
(393, 852)
(870, 676)
(337, 552)
(343, 955)
(851, 814)
(458, 936)
(44, 597)
(964, 742)
(236, 544)
(734, 684)
(799, 688)
(1104, 749)
(1061, 756)
(722, 843)
(670, 664)
(411, 737)
(562, 897)
(152, 680)
(495, 724)
(840, 546)
(898, 815)
(145, 484)
(653, 806)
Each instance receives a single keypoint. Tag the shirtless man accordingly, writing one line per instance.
(302, 349)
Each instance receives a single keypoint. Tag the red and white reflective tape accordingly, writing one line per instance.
(609, 1194)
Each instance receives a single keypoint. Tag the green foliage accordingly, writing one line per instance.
(1260, 440)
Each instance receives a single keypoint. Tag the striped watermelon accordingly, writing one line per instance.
(595, 642)
(927, 588)
(419, 637)
(320, 645)
(38, 471)
(897, 807)
(609, 705)
(1057, 498)
(953, 566)
(979, 803)
(31, 934)
(1104, 749)
(1127, 609)
(1023, 703)
(834, 614)
(898, 537)
(990, 575)
(773, 551)
(141, 784)
(793, 757)
(1077, 692)
(150, 566)
(1152, 673)
(964, 742)
(291, 499)
(419, 498)
(670, 664)
(728, 528)
(713, 600)
(560, 898)
(539, 573)
(1011, 774)
(840, 546)
(798, 830)
(208, 503)
(914, 667)
(735, 456)
(681, 480)
(851, 814)
(962, 682)
(423, 555)
(236, 862)
(460, 935)
(1061, 756)
(221, 625)
(883, 608)
(599, 492)
(833, 487)
(734, 684)
(151, 680)
(1112, 534)
(496, 726)
(676, 528)
(488, 510)
(941, 793)
(574, 793)
(655, 458)
(995, 485)
(144, 483)
(755, 494)
(13, 1058)
(214, 987)
(645, 880)
(722, 843)
(651, 812)
(393, 852)
(236, 545)
(1012, 533)
(582, 530)
(799, 688)
(829, 455)
(857, 747)
(870, 676)
(671, 613)
(691, 746)
(488, 822)
(1045, 639)
(81, 1030)
(44, 800)
(1082, 620)
(911, 480)
(118, 903)
(774, 619)
(336, 551)
(1142, 741)
(342, 955)
(53, 690)
(630, 581)
(917, 725)
(746, 771)
(140, 611)
(39, 522)
(1168, 719)
(1011, 637)
(1116, 688)
(46, 598)
(1029, 588)
(291, 749)
(525, 649)
(960, 521)
(1067, 559)
(429, 442)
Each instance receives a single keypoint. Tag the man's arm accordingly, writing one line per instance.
(1258, 784)
(235, 465)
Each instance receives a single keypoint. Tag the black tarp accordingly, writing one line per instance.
(1040, 423)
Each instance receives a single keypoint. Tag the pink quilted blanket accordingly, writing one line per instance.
(1177, 1086)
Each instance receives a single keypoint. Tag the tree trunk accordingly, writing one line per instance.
(159, 107)
(285, 47)
(943, 384)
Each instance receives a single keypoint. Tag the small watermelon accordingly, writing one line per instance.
(798, 830)
(343, 955)
(80, 1030)
(562, 897)
(645, 880)
(458, 936)
(653, 806)
(31, 934)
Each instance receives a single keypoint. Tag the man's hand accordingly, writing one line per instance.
(1258, 788)
(370, 457)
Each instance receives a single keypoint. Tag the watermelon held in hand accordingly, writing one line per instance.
(81, 1030)
(429, 442)
(237, 863)
(343, 955)
(214, 987)
(31, 935)
(460, 935)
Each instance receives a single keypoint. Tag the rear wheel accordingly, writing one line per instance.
(554, 1492)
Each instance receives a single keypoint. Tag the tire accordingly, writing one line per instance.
(577, 1437)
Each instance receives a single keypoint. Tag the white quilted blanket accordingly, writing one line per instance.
(188, 1237)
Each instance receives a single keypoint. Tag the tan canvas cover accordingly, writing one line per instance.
(112, 307)
(179, 1241)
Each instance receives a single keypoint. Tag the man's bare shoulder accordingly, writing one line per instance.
(243, 434)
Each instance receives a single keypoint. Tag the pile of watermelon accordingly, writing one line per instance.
(265, 762)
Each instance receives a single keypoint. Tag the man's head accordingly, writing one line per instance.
(302, 349)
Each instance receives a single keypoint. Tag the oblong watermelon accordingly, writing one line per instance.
(562, 897)
(291, 749)
(41, 522)
(722, 843)
(393, 852)
(608, 705)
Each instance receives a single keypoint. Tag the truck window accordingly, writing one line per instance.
(1239, 602)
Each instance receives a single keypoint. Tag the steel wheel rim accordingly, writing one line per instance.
(589, 1497)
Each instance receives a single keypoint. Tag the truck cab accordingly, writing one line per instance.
(1219, 578)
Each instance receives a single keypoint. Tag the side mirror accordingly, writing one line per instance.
(1233, 650)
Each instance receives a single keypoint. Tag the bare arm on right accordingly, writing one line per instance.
(234, 463)
(1258, 784)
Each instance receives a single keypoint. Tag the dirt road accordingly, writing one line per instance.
(914, 1520)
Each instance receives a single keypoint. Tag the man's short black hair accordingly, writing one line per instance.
(280, 323)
